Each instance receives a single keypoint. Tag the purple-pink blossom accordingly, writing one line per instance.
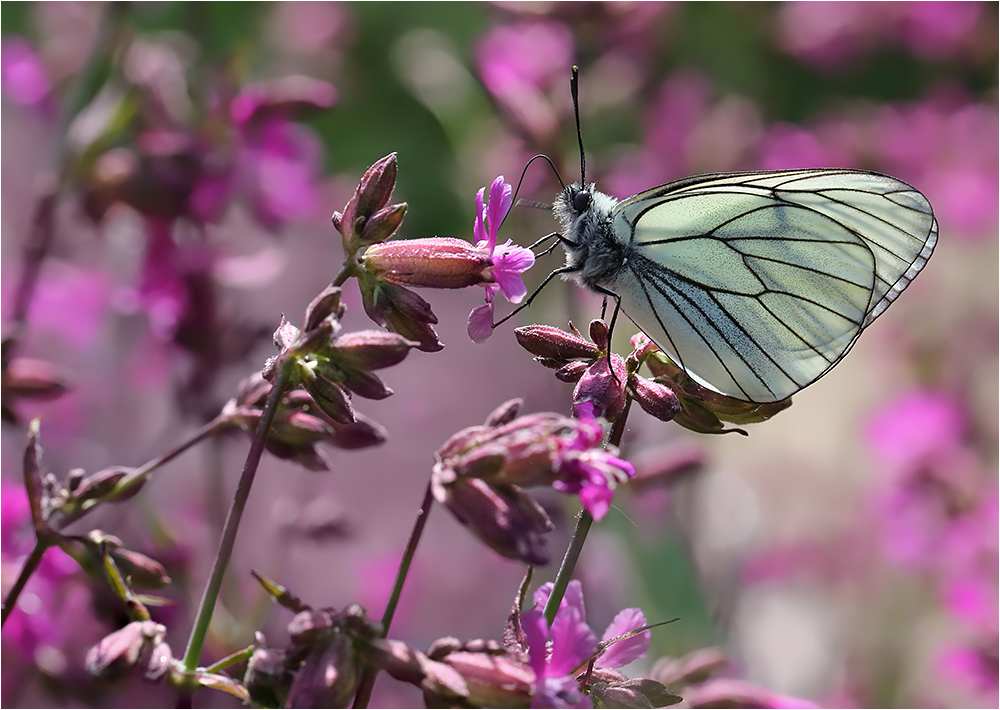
(587, 469)
(25, 78)
(509, 260)
(574, 644)
(520, 63)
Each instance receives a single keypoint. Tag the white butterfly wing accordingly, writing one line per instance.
(759, 283)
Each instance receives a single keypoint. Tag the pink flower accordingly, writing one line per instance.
(573, 645)
(916, 426)
(509, 261)
(25, 79)
(520, 63)
(587, 469)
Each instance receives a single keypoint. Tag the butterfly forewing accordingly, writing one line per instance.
(758, 283)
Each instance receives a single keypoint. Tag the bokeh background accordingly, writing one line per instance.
(845, 553)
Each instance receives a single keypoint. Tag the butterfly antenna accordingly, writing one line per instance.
(574, 87)
(540, 156)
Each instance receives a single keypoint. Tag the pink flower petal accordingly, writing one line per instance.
(479, 227)
(624, 652)
(500, 202)
(481, 323)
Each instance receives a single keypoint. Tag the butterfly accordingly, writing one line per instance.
(756, 284)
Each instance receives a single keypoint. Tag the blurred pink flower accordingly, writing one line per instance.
(784, 146)
(25, 78)
(519, 63)
(937, 30)
(830, 34)
(279, 168)
(915, 426)
(947, 147)
(68, 301)
(36, 620)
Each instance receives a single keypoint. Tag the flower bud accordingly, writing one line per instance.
(503, 516)
(371, 349)
(34, 379)
(383, 224)
(494, 680)
(632, 693)
(329, 676)
(141, 570)
(328, 395)
(326, 305)
(266, 678)
(118, 652)
(310, 626)
(98, 485)
(571, 371)
(433, 262)
(400, 310)
(547, 342)
(654, 398)
(599, 333)
(437, 680)
(604, 389)
(372, 195)
(505, 413)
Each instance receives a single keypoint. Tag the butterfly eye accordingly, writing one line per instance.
(581, 201)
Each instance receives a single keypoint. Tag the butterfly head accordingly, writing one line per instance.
(585, 217)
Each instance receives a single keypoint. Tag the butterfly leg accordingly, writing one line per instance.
(608, 293)
(527, 302)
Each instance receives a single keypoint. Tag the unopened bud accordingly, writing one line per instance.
(383, 224)
(329, 676)
(654, 398)
(604, 390)
(434, 262)
(555, 344)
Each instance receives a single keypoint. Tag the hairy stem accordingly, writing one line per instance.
(207, 606)
(583, 525)
(29, 567)
(368, 680)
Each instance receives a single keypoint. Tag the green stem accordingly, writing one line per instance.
(568, 565)
(404, 564)
(232, 659)
(347, 271)
(368, 679)
(207, 607)
(138, 476)
(572, 556)
(30, 565)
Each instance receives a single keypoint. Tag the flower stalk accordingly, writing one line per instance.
(207, 606)
(583, 525)
(368, 679)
